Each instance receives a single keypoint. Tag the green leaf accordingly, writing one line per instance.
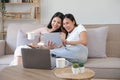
(75, 65)
(81, 64)
(2, 6)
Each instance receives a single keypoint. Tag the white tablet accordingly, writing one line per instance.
(54, 37)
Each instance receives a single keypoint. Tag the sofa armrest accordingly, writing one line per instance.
(2, 47)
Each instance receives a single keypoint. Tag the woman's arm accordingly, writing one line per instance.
(83, 39)
(50, 44)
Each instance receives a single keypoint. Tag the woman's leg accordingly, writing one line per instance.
(19, 60)
(72, 53)
(18, 56)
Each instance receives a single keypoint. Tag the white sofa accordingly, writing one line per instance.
(105, 67)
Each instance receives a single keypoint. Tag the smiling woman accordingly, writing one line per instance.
(76, 49)
(54, 25)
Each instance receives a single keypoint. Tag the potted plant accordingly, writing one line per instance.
(2, 10)
(75, 68)
(2, 7)
(81, 67)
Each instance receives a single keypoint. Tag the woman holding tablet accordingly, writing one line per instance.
(54, 25)
(76, 42)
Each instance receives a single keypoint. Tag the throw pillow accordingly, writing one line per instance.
(97, 41)
(22, 39)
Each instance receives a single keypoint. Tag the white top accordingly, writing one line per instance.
(75, 34)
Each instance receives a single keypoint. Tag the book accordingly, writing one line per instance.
(33, 12)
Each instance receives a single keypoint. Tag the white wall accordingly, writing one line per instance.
(85, 11)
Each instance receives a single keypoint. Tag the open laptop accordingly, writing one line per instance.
(37, 58)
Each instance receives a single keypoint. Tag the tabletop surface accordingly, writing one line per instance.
(20, 73)
(66, 73)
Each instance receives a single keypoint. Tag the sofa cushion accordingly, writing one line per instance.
(108, 67)
(22, 39)
(2, 67)
(6, 59)
(97, 42)
(13, 30)
(108, 62)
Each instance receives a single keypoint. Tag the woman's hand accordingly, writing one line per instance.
(52, 45)
(33, 45)
(65, 42)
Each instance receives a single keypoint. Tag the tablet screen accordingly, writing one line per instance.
(54, 37)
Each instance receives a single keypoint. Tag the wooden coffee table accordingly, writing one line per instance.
(20, 73)
(66, 73)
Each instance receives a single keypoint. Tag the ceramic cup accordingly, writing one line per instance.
(30, 35)
(61, 62)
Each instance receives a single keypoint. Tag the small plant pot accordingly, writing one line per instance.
(75, 70)
(82, 69)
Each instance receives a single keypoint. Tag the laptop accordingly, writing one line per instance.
(37, 58)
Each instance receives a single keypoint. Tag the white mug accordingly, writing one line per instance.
(30, 35)
(61, 62)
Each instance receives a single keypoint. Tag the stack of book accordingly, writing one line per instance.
(21, 1)
(34, 12)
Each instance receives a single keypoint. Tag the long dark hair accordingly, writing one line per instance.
(71, 17)
(61, 16)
